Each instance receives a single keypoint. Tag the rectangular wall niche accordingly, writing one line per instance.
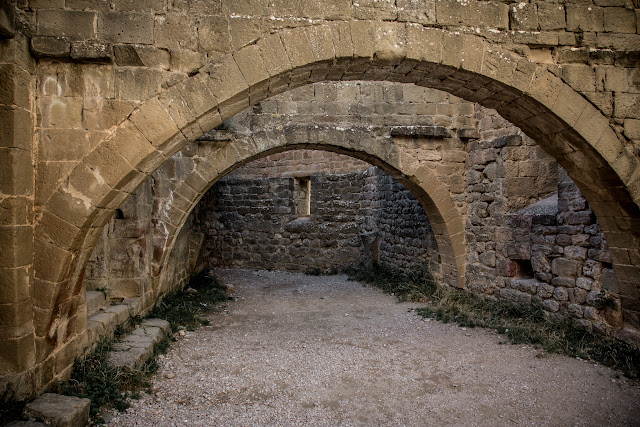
(302, 195)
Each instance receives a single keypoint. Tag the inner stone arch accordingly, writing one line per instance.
(359, 216)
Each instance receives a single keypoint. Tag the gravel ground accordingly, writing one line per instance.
(324, 351)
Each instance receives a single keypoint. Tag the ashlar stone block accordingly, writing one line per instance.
(154, 122)
(126, 27)
(59, 410)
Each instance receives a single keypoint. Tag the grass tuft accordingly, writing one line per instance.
(107, 387)
(187, 309)
(522, 324)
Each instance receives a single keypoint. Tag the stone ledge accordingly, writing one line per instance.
(95, 300)
(420, 131)
(58, 410)
(137, 347)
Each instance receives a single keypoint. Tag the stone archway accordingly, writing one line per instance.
(446, 220)
(526, 93)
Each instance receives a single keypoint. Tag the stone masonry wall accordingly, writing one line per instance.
(396, 226)
(126, 259)
(355, 218)
(532, 237)
(252, 223)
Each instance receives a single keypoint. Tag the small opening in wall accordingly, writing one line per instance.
(524, 269)
(119, 214)
(302, 195)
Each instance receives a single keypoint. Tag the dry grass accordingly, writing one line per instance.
(520, 323)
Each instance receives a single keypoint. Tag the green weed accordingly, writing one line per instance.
(188, 309)
(522, 324)
(107, 387)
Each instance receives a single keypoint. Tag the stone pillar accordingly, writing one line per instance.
(17, 343)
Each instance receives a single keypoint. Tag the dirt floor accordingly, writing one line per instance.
(324, 351)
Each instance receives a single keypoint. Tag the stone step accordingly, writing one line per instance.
(137, 347)
(95, 300)
(104, 321)
(58, 410)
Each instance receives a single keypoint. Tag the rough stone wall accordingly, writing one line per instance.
(558, 257)
(249, 219)
(532, 237)
(252, 223)
(395, 228)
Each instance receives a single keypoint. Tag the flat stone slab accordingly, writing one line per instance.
(58, 410)
(158, 323)
(137, 346)
(95, 300)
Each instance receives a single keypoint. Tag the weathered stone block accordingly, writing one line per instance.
(213, 34)
(584, 18)
(564, 267)
(551, 16)
(560, 294)
(17, 130)
(91, 51)
(58, 410)
(523, 16)
(137, 84)
(175, 31)
(76, 25)
(126, 27)
(154, 122)
(16, 175)
(632, 128)
(619, 20)
(580, 77)
(475, 13)
(572, 55)
(244, 31)
(563, 282)
(551, 305)
(50, 46)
